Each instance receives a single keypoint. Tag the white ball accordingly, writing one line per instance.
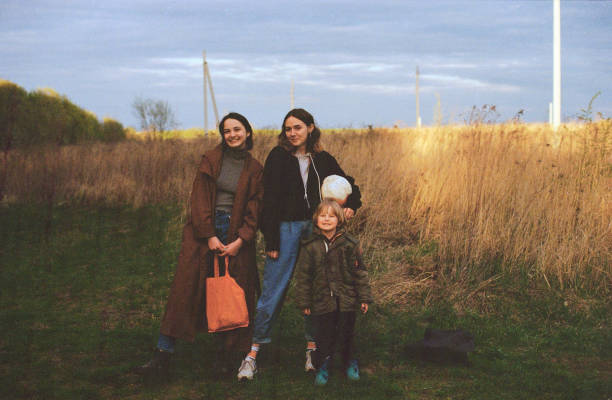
(337, 188)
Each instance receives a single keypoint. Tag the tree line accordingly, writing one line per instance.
(43, 116)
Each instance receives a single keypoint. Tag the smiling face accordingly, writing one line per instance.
(327, 221)
(234, 133)
(297, 132)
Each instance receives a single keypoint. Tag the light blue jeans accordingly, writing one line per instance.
(276, 279)
(222, 221)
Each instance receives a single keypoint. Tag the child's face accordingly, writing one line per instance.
(327, 221)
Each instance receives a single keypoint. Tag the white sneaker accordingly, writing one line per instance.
(308, 366)
(247, 369)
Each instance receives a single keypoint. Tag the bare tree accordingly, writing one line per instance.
(154, 115)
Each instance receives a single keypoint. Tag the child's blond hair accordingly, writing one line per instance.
(324, 205)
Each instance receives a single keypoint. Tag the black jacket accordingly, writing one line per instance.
(284, 198)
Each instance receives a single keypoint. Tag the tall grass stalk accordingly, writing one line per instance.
(493, 198)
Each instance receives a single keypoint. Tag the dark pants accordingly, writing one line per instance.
(331, 330)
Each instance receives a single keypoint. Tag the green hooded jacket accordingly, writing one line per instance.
(331, 274)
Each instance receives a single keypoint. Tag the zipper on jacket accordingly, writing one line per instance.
(331, 292)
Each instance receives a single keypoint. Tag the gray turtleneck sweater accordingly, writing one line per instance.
(231, 168)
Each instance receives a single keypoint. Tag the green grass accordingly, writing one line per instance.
(82, 291)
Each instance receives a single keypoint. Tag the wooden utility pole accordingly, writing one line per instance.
(418, 111)
(212, 96)
(208, 83)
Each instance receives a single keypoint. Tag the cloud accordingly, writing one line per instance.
(457, 82)
(371, 77)
(186, 62)
(20, 38)
(372, 88)
(454, 65)
(459, 62)
(466, 51)
(362, 67)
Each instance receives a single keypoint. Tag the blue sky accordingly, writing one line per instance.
(353, 62)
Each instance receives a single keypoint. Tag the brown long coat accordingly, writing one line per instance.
(185, 310)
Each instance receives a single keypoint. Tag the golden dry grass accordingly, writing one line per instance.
(493, 198)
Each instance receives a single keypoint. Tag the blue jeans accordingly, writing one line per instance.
(222, 222)
(276, 279)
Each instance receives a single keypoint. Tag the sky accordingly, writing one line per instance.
(352, 62)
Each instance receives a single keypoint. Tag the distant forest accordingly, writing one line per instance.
(43, 116)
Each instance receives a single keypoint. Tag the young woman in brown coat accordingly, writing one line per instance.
(225, 204)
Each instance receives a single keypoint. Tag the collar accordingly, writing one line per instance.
(211, 161)
(339, 233)
(236, 154)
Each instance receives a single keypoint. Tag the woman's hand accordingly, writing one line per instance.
(273, 254)
(349, 213)
(232, 248)
(307, 311)
(215, 245)
(364, 307)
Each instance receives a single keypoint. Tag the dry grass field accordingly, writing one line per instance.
(475, 201)
(501, 230)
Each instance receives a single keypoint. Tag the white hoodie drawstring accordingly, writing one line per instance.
(318, 179)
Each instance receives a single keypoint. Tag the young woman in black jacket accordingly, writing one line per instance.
(293, 173)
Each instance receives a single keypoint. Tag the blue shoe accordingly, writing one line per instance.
(352, 372)
(322, 374)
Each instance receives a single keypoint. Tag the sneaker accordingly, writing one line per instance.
(322, 374)
(158, 365)
(247, 369)
(309, 366)
(352, 372)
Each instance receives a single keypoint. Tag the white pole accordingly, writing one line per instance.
(418, 112)
(292, 97)
(557, 64)
(205, 101)
(550, 114)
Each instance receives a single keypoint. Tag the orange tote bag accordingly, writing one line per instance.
(225, 302)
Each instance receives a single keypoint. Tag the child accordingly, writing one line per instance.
(331, 284)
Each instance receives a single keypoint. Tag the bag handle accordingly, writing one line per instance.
(216, 266)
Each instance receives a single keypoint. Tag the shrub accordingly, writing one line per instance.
(112, 130)
(43, 116)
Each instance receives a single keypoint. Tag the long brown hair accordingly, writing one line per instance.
(312, 142)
